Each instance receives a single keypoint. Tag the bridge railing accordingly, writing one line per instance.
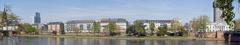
(9, 28)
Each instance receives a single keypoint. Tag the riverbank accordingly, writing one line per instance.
(124, 37)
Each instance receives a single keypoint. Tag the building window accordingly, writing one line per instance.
(163, 25)
(88, 26)
(81, 27)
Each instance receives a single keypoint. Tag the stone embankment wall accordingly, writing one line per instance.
(206, 34)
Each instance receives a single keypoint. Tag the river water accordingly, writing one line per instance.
(79, 41)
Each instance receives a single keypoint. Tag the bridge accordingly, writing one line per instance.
(8, 31)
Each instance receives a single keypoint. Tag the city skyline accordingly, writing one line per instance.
(119, 22)
(61, 10)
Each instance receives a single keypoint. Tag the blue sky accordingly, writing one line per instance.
(64, 10)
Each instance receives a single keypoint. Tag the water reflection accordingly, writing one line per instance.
(55, 41)
(77, 41)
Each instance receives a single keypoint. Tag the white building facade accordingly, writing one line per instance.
(213, 27)
(121, 24)
(157, 23)
(86, 26)
(79, 26)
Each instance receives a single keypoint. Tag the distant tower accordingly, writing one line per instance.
(37, 21)
(217, 13)
(37, 18)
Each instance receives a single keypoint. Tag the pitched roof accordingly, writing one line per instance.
(55, 23)
(80, 21)
(155, 21)
(118, 20)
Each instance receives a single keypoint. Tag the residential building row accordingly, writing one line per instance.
(86, 26)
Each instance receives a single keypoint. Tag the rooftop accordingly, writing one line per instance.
(55, 23)
(114, 20)
(155, 21)
(79, 21)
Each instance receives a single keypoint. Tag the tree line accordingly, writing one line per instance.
(8, 18)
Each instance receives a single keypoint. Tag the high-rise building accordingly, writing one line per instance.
(37, 18)
(37, 21)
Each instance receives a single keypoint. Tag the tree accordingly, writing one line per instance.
(26, 27)
(238, 1)
(7, 16)
(227, 11)
(130, 30)
(183, 31)
(176, 26)
(20, 28)
(237, 24)
(194, 24)
(152, 27)
(162, 30)
(112, 27)
(139, 27)
(62, 28)
(96, 27)
(199, 23)
(77, 30)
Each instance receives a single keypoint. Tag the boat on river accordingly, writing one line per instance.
(232, 36)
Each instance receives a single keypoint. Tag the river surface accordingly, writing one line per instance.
(79, 41)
